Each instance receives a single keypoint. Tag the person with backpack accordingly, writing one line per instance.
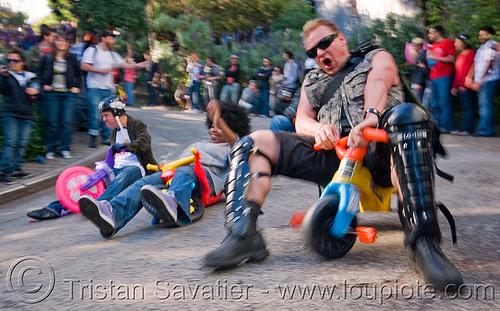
(99, 61)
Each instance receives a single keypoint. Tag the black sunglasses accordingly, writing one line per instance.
(322, 44)
(11, 60)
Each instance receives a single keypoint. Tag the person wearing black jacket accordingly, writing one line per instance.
(420, 71)
(263, 85)
(17, 87)
(61, 80)
(231, 90)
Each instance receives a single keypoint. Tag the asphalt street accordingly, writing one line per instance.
(64, 264)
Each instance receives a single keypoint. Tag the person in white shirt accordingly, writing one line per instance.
(99, 61)
(486, 80)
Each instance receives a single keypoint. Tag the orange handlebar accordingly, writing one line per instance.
(370, 134)
(377, 135)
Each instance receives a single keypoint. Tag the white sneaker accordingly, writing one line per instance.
(50, 155)
(66, 154)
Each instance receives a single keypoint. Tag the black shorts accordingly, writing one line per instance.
(298, 159)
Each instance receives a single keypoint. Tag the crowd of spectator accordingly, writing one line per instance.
(68, 72)
(446, 68)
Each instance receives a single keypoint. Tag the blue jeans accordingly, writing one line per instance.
(128, 203)
(183, 185)
(281, 123)
(441, 102)
(59, 111)
(94, 97)
(264, 103)
(230, 92)
(152, 96)
(194, 94)
(16, 133)
(467, 103)
(129, 90)
(209, 93)
(124, 177)
(485, 97)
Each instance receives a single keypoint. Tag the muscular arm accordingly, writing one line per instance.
(383, 75)
(305, 123)
(326, 135)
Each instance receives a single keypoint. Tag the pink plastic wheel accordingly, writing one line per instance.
(68, 187)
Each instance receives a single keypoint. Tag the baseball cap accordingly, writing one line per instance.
(106, 33)
(234, 56)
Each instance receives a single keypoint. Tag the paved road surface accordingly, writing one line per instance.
(149, 268)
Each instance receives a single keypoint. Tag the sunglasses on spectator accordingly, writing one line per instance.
(322, 44)
(11, 60)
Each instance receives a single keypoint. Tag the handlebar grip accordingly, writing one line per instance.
(316, 147)
(377, 135)
(152, 167)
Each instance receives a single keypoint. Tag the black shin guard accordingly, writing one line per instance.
(237, 213)
(410, 132)
(243, 241)
(410, 136)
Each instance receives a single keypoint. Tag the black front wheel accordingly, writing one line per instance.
(316, 229)
(197, 209)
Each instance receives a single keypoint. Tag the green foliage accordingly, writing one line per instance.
(229, 16)
(295, 17)
(392, 34)
(47, 20)
(128, 15)
(194, 35)
(17, 19)
(169, 62)
(35, 146)
(61, 10)
(460, 17)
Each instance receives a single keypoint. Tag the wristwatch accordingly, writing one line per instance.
(374, 111)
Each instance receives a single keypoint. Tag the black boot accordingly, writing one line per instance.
(243, 241)
(92, 143)
(410, 136)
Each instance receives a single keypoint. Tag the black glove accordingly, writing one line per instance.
(117, 147)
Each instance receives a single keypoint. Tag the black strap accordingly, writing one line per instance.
(334, 85)
(446, 212)
(444, 175)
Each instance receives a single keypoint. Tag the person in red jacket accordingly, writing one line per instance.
(463, 64)
(442, 52)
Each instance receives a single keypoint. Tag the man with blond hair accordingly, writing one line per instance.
(369, 88)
